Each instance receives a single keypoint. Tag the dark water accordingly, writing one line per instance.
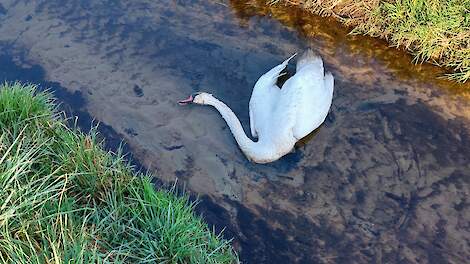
(384, 180)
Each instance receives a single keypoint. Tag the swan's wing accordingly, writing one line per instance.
(264, 97)
(261, 106)
(270, 78)
(285, 112)
(329, 83)
(317, 93)
(306, 97)
(252, 122)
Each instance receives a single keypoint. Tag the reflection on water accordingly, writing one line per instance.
(385, 179)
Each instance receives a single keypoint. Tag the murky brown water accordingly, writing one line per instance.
(384, 180)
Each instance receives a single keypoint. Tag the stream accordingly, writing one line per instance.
(384, 180)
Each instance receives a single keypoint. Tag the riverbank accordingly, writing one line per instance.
(434, 31)
(64, 199)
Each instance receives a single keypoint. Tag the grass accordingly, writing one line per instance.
(437, 31)
(64, 199)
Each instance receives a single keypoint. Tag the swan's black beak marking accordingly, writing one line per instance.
(186, 101)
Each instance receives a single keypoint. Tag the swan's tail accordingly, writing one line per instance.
(309, 58)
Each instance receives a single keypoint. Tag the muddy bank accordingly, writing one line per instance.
(385, 179)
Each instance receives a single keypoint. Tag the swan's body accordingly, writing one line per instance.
(280, 117)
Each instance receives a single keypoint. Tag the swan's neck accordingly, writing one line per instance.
(255, 151)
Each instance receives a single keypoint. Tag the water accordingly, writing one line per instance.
(385, 179)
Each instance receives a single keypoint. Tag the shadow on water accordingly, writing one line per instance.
(71, 104)
(383, 180)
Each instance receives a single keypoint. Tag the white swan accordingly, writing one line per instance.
(279, 117)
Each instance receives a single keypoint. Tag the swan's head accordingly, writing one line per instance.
(197, 98)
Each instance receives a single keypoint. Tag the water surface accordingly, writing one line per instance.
(385, 179)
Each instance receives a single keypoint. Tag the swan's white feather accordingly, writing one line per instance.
(304, 101)
(316, 93)
(284, 116)
(263, 100)
(261, 107)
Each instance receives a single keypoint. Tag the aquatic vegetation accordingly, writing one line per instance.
(64, 199)
(432, 30)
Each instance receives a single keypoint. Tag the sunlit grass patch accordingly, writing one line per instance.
(63, 199)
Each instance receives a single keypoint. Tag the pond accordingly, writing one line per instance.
(385, 179)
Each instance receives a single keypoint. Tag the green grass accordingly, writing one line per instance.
(64, 199)
(437, 31)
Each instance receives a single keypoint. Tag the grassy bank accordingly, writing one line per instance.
(63, 199)
(433, 30)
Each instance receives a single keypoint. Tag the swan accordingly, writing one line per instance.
(279, 117)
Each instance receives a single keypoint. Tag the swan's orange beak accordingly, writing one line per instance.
(186, 101)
